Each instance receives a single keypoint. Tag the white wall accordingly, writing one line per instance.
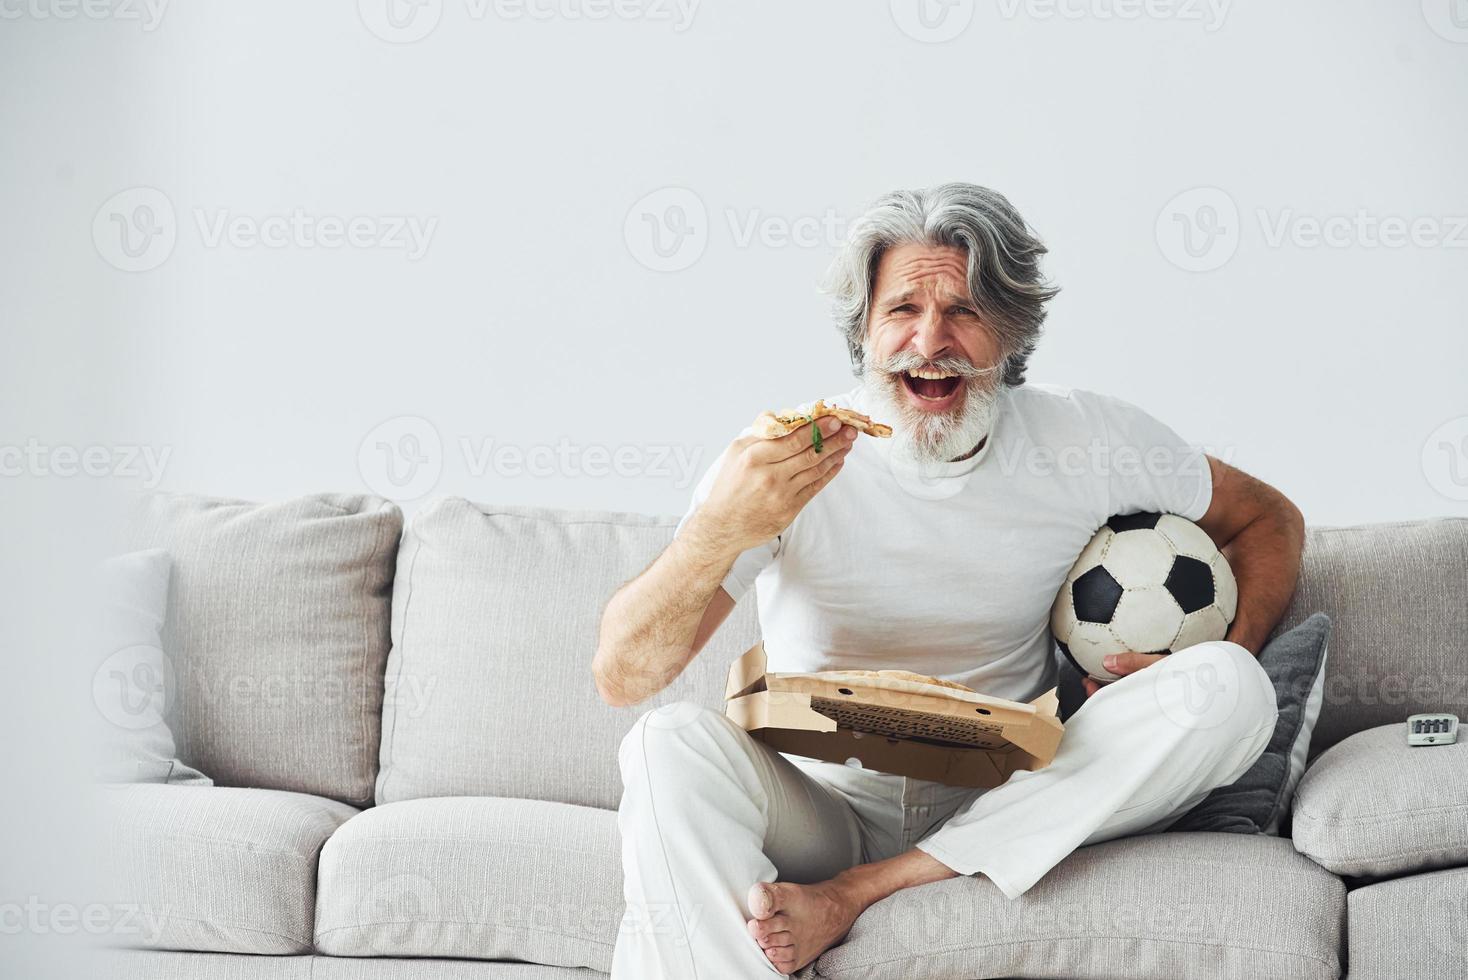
(532, 317)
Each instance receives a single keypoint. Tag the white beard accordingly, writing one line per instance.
(931, 437)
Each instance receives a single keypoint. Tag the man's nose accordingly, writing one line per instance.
(930, 337)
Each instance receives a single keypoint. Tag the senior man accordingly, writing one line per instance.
(937, 551)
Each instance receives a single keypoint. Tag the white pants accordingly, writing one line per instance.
(707, 811)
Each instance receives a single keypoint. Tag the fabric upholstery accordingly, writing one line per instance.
(1157, 906)
(130, 964)
(278, 626)
(134, 678)
(1397, 598)
(215, 868)
(474, 878)
(1410, 927)
(1256, 801)
(1375, 806)
(489, 687)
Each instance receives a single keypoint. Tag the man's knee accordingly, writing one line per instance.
(1217, 688)
(666, 733)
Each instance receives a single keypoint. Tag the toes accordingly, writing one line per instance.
(765, 898)
(776, 940)
(782, 957)
(762, 929)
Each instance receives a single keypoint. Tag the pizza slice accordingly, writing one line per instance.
(909, 676)
(772, 425)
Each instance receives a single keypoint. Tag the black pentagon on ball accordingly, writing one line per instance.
(1073, 661)
(1094, 595)
(1133, 522)
(1191, 583)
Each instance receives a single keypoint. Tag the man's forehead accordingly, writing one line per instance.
(907, 268)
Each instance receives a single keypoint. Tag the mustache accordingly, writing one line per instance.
(906, 360)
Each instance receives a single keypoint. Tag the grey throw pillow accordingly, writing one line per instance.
(1259, 800)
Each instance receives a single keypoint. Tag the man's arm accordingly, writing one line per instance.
(659, 621)
(1262, 534)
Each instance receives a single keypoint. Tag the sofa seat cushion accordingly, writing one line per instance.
(1410, 927)
(1375, 806)
(476, 878)
(217, 869)
(1155, 906)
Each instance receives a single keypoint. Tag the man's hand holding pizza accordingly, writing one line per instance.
(764, 482)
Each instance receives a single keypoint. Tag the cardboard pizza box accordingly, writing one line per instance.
(960, 738)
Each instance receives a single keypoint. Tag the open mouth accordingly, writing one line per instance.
(931, 388)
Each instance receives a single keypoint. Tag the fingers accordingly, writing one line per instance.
(832, 467)
(793, 443)
(809, 464)
(1129, 663)
(1091, 686)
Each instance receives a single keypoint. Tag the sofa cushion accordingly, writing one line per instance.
(134, 678)
(1397, 598)
(495, 616)
(1410, 927)
(1157, 906)
(474, 878)
(1375, 806)
(217, 869)
(1259, 800)
(278, 626)
(143, 964)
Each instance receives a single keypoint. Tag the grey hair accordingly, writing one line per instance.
(1003, 264)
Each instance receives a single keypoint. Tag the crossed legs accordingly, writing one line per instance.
(738, 863)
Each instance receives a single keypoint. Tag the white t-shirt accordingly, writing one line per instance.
(951, 570)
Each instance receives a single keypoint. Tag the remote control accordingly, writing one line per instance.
(1432, 729)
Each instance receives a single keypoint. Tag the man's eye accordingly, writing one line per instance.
(904, 308)
(964, 311)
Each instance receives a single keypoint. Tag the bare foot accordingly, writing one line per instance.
(794, 924)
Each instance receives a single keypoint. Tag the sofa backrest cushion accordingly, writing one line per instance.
(277, 630)
(1397, 597)
(489, 686)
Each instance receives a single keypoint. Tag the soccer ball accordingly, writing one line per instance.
(1149, 583)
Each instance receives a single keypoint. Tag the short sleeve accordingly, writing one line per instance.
(1148, 466)
(750, 563)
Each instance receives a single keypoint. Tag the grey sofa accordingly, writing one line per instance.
(416, 779)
